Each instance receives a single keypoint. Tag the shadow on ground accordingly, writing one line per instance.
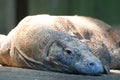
(10, 73)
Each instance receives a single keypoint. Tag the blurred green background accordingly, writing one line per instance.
(12, 11)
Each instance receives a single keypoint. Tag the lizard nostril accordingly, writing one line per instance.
(91, 64)
(68, 52)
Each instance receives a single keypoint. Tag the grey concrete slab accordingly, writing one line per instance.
(10, 73)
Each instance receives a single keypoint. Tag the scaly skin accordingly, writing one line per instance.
(115, 34)
(38, 47)
(38, 40)
(82, 27)
(4, 50)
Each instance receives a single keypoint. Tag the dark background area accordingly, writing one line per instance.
(12, 11)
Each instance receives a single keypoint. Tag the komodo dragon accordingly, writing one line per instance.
(81, 27)
(44, 42)
(35, 46)
(84, 28)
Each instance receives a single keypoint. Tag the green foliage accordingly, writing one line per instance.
(106, 10)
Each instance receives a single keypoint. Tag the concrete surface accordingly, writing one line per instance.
(10, 73)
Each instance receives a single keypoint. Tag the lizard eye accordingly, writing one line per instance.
(68, 51)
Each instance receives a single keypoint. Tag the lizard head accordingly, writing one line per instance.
(72, 56)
